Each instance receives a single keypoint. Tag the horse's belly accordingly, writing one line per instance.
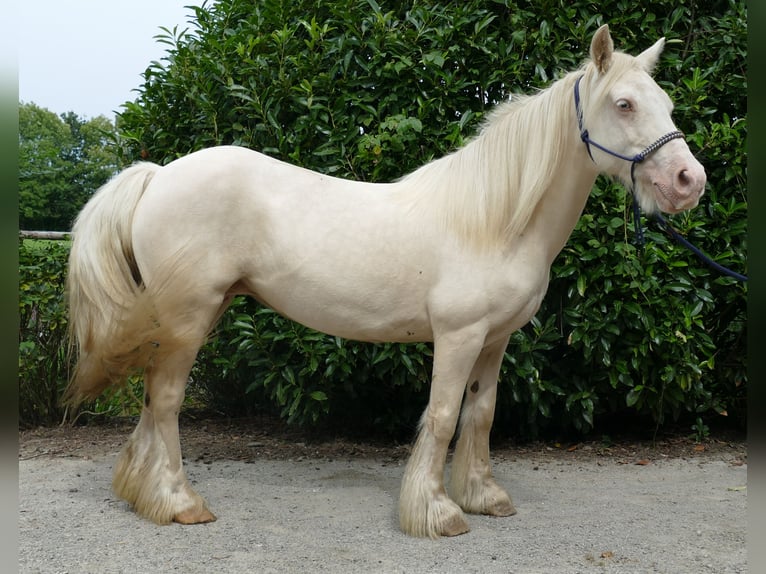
(360, 314)
(361, 273)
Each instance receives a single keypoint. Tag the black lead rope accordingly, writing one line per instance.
(665, 226)
(639, 241)
(634, 160)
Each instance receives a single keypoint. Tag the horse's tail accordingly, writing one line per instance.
(104, 285)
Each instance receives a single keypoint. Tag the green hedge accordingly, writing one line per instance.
(259, 361)
(370, 91)
(42, 334)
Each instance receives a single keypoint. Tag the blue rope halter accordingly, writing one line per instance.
(634, 160)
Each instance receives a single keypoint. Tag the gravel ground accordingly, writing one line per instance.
(287, 506)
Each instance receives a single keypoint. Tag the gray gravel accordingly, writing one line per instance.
(672, 516)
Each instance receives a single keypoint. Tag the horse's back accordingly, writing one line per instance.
(219, 176)
(221, 195)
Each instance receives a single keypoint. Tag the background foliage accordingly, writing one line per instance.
(42, 335)
(370, 91)
(62, 161)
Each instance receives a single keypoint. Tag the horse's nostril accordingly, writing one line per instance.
(683, 178)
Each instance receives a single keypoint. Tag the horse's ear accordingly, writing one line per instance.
(648, 58)
(602, 48)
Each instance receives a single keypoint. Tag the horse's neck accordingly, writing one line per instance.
(527, 175)
(558, 211)
(571, 176)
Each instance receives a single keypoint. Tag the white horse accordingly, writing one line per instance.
(457, 253)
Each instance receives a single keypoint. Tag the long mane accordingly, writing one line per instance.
(487, 191)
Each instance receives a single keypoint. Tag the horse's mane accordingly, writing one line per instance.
(487, 191)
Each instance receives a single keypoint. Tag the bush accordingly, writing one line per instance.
(309, 378)
(622, 329)
(370, 91)
(42, 331)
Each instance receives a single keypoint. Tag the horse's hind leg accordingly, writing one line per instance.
(149, 473)
(472, 484)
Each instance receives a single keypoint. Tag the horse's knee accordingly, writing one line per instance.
(441, 422)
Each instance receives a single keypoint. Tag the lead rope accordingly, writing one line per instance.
(639, 241)
(665, 226)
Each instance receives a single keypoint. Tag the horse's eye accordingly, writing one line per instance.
(624, 105)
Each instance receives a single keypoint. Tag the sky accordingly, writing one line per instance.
(87, 56)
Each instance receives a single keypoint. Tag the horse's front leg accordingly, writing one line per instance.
(425, 509)
(471, 482)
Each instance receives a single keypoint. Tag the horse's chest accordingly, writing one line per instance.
(503, 300)
(513, 301)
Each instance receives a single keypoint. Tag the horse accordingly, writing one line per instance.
(456, 253)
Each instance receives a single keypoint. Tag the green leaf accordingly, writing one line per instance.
(633, 396)
(435, 58)
(581, 285)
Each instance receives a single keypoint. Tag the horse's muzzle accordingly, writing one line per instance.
(684, 190)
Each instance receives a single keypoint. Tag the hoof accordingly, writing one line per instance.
(194, 516)
(484, 497)
(455, 526)
(501, 508)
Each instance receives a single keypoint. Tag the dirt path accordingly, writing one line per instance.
(290, 504)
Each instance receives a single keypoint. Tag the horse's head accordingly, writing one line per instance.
(627, 126)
